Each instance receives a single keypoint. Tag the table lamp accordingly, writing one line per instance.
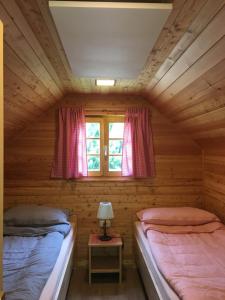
(105, 212)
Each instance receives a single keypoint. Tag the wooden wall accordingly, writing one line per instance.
(178, 168)
(1, 151)
(214, 177)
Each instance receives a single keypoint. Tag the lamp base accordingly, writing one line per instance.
(105, 237)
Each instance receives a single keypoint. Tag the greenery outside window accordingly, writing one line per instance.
(104, 138)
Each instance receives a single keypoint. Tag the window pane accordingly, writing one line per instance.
(93, 146)
(92, 130)
(93, 163)
(115, 146)
(116, 130)
(115, 163)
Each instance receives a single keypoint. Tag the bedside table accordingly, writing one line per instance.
(105, 263)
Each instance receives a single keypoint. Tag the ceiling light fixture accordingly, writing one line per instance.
(105, 82)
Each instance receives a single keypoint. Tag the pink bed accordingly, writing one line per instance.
(191, 258)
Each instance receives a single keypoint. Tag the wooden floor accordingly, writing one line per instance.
(105, 287)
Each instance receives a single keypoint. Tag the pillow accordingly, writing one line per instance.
(34, 215)
(176, 216)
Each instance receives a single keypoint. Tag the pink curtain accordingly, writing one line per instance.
(70, 155)
(138, 155)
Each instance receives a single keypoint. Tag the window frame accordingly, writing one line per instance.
(104, 121)
(111, 119)
(97, 119)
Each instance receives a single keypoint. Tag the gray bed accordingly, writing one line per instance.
(30, 253)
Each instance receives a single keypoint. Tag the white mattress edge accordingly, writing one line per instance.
(164, 288)
(52, 284)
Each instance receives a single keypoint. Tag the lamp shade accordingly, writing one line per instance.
(105, 211)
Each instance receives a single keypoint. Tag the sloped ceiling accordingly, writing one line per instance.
(116, 40)
(184, 76)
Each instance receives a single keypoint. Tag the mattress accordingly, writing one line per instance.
(52, 285)
(165, 292)
(191, 258)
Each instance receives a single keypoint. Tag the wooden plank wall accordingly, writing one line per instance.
(214, 177)
(178, 167)
(1, 152)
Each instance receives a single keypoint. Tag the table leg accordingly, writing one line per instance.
(89, 269)
(120, 266)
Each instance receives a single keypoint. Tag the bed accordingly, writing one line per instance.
(184, 259)
(38, 253)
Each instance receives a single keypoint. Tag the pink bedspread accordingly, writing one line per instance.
(191, 259)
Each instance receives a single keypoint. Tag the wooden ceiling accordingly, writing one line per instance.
(189, 86)
(184, 75)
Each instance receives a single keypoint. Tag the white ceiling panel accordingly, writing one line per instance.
(108, 40)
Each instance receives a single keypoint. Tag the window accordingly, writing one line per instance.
(104, 139)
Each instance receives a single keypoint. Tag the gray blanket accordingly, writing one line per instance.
(29, 257)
